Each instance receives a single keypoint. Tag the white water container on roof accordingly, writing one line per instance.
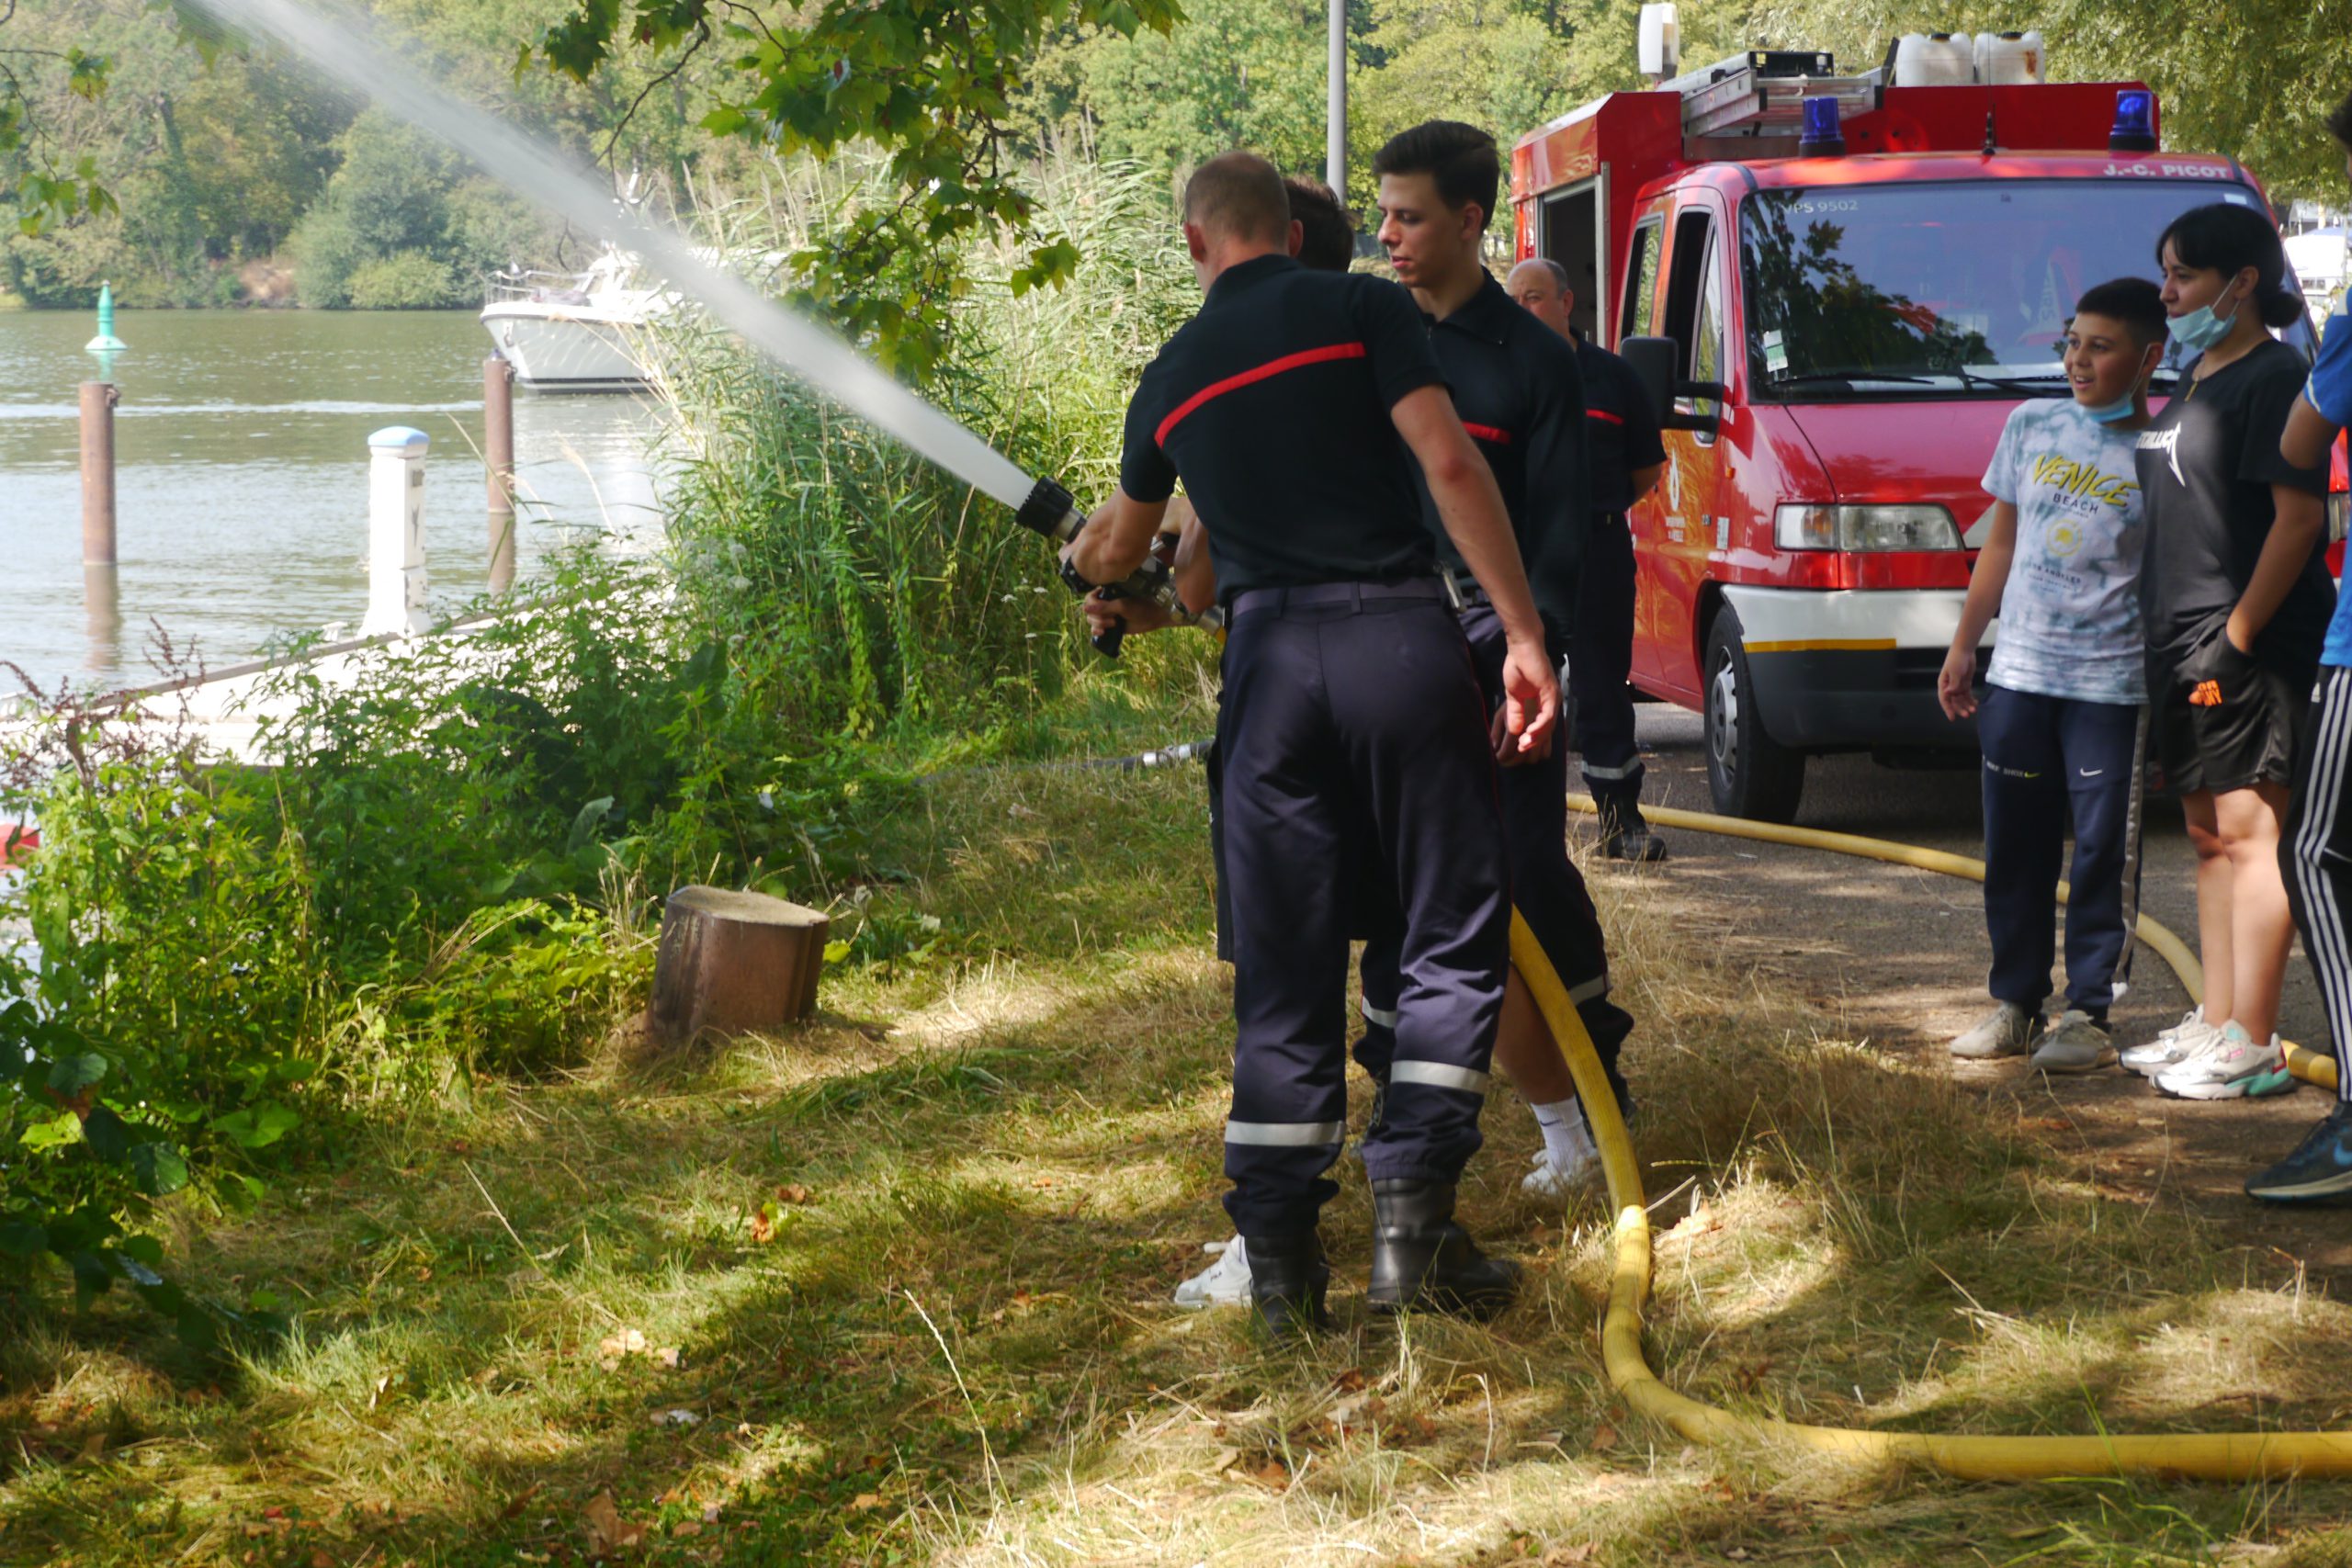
(2010, 59)
(1660, 41)
(1935, 59)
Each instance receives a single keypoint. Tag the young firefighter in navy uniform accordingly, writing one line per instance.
(1349, 728)
(1518, 388)
(1627, 458)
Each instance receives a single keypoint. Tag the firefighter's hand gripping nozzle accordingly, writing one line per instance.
(1051, 511)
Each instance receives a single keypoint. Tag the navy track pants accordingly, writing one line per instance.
(1546, 886)
(2315, 854)
(1351, 738)
(2045, 757)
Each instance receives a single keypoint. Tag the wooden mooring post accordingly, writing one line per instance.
(102, 615)
(99, 399)
(498, 452)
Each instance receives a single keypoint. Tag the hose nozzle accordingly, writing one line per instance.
(1051, 511)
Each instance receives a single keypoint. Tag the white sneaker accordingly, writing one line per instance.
(2173, 1045)
(2230, 1067)
(1557, 1182)
(1224, 1283)
(2007, 1030)
(2073, 1044)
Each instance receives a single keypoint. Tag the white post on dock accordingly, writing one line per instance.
(395, 532)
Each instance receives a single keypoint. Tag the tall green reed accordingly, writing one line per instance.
(865, 590)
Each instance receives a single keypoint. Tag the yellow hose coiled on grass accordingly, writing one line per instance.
(2219, 1456)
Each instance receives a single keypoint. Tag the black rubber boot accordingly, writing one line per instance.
(1287, 1280)
(1625, 833)
(1637, 844)
(1420, 1259)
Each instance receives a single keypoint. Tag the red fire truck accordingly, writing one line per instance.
(1843, 284)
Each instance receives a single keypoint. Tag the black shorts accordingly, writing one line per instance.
(2223, 721)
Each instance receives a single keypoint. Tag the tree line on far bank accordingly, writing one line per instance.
(244, 179)
(240, 179)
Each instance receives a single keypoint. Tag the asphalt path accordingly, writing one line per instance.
(1898, 957)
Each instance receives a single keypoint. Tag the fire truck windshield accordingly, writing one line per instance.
(1941, 289)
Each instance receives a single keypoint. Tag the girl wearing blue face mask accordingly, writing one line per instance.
(2061, 721)
(2235, 600)
(2317, 859)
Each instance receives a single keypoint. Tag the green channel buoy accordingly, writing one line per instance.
(106, 342)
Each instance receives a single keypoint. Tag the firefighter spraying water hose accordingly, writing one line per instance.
(1349, 680)
(1349, 540)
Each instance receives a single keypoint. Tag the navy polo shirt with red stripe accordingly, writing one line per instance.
(1623, 427)
(1517, 388)
(1273, 406)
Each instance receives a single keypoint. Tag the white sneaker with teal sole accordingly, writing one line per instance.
(1224, 1283)
(2173, 1045)
(2232, 1068)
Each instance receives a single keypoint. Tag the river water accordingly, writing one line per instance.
(241, 477)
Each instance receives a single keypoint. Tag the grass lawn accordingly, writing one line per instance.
(893, 1288)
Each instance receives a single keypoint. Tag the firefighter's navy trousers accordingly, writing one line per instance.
(1545, 882)
(1601, 660)
(1350, 732)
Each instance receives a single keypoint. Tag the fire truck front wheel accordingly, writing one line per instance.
(1749, 774)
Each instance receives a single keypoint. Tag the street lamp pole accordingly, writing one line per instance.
(1335, 142)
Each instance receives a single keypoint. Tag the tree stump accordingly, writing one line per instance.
(733, 962)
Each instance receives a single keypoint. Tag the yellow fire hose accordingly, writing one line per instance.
(2216, 1456)
(2308, 1065)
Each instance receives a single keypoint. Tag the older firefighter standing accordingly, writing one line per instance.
(1627, 458)
(1349, 727)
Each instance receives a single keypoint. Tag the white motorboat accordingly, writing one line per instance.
(573, 332)
(2321, 258)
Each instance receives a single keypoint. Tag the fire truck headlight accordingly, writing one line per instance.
(1864, 528)
(2339, 512)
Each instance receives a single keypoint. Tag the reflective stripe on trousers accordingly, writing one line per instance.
(1439, 1075)
(1287, 1134)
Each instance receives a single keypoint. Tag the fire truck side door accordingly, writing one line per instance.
(1675, 526)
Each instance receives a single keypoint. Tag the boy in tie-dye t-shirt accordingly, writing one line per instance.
(2060, 718)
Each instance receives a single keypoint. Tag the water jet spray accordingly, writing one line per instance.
(336, 42)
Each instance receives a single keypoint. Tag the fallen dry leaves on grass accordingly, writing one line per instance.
(608, 1533)
(763, 1218)
(615, 1349)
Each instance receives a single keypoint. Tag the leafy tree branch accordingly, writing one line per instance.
(931, 82)
(46, 186)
